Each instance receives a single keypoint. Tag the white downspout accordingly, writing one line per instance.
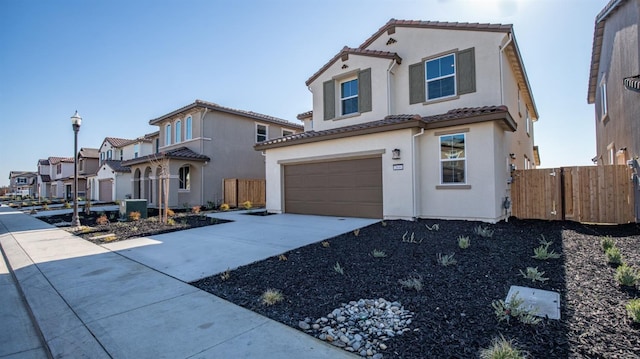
(391, 65)
(202, 152)
(415, 172)
(501, 49)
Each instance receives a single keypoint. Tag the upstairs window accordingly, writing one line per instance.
(21, 180)
(110, 154)
(188, 133)
(136, 150)
(453, 159)
(167, 134)
(178, 131)
(157, 145)
(59, 168)
(441, 77)
(527, 120)
(185, 178)
(349, 96)
(121, 154)
(286, 133)
(603, 99)
(261, 132)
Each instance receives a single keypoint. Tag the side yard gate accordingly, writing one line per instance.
(237, 191)
(594, 194)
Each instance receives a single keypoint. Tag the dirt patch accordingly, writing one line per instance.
(454, 317)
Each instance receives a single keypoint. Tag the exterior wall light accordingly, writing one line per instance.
(395, 154)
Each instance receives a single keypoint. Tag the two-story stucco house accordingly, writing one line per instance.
(44, 178)
(23, 183)
(87, 167)
(61, 169)
(112, 180)
(201, 144)
(422, 120)
(614, 86)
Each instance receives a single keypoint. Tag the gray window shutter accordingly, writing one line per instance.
(329, 99)
(416, 83)
(466, 71)
(364, 90)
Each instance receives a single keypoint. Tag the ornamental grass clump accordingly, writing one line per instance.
(543, 253)
(633, 309)
(338, 268)
(271, 297)
(247, 205)
(102, 220)
(134, 216)
(607, 242)
(414, 283)
(446, 260)
(224, 207)
(533, 274)
(502, 349)
(627, 276)
(514, 308)
(483, 232)
(464, 242)
(613, 255)
(378, 253)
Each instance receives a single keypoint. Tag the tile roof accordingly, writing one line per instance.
(596, 49)
(56, 160)
(45, 178)
(43, 162)
(302, 116)
(344, 55)
(393, 23)
(117, 166)
(215, 107)
(181, 153)
(632, 83)
(117, 142)
(89, 152)
(395, 122)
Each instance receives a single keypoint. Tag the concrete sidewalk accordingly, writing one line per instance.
(91, 302)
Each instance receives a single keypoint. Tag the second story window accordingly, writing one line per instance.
(157, 145)
(286, 133)
(121, 155)
(527, 120)
(441, 77)
(178, 131)
(261, 132)
(349, 96)
(603, 99)
(188, 131)
(109, 154)
(167, 134)
(136, 150)
(59, 168)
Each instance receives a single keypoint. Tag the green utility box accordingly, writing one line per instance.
(133, 205)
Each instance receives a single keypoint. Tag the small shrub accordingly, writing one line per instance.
(224, 207)
(338, 268)
(435, 227)
(170, 212)
(196, 209)
(325, 244)
(613, 255)
(282, 258)
(502, 349)
(225, 275)
(411, 239)
(271, 297)
(534, 275)
(153, 219)
(607, 242)
(464, 242)
(102, 220)
(171, 222)
(247, 205)
(627, 276)
(633, 309)
(543, 253)
(110, 238)
(378, 253)
(383, 223)
(483, 232)
(134, 216)
(446, 260)
(412, 283)
(45, 207)
(513, 309)
(67, 205)
(356, 232)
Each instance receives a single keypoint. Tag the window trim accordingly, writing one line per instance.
(341, 99)
(266, 132)
(604, 110)
(441, 160)
(427, 80)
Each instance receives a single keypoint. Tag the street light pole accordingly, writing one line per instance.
(76, 121)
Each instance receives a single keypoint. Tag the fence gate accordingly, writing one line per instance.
(595, 194)
(237, 191)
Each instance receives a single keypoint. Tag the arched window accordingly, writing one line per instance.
(185, 181)
(167, 134)
(178, 131)
(188, 133)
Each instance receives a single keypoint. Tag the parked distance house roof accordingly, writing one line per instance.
(596, 50)
(89, 152)
(216, 107)
(56, 160)
(43, 162)
(117, 166)
(117, 142)
(182, 153)
(396, 122)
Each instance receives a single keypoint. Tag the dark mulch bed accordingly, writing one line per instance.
(454, 317)
(123, 230)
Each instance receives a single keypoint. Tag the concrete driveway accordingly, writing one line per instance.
(200, 252)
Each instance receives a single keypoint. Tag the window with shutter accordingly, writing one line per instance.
(354, 95)
(442, 77)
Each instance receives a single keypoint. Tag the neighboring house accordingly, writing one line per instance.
(112, 181)
(87, 166)
(23, 183)
(201, 144)
(44, 178)
(423, 120)
(614, 86)
(61, 169)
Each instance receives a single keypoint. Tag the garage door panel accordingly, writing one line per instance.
(348, 188)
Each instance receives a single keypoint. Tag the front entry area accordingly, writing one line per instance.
(344, 188)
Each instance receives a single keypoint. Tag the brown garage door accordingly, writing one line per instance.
(346, 188)
(105, 191)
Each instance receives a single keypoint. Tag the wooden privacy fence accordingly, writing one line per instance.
(594, 194)
(237, 191)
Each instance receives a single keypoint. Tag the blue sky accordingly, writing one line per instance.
(121, 63)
